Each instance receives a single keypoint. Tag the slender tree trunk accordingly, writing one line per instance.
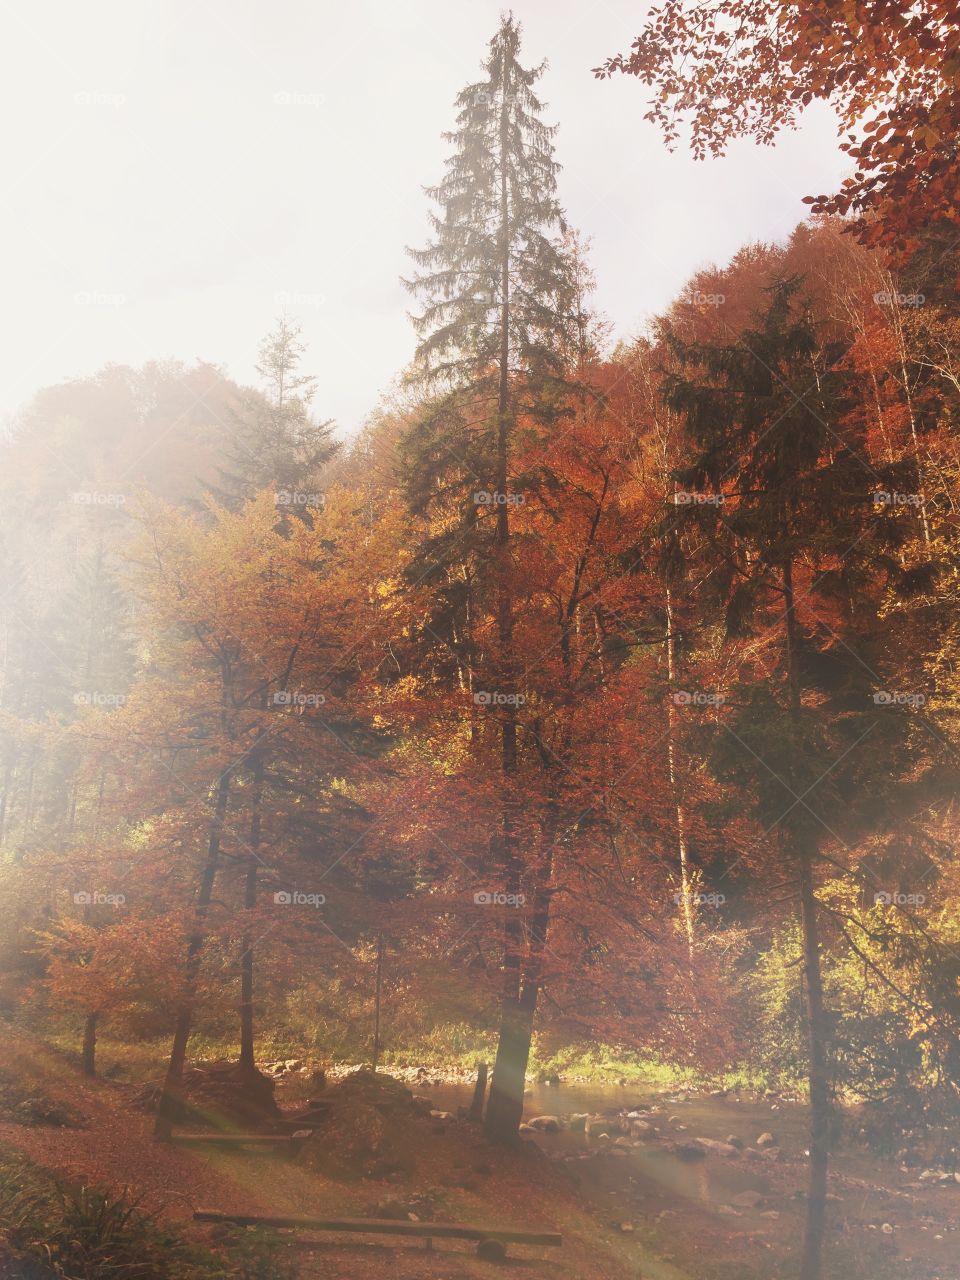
(817, 1073)
(247, 1060)
(685, 890)
(88, 1059)
(184, 1021)
(377, 999)
(479, 1095)
(817, 1077)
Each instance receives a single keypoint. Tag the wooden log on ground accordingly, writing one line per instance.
(386, 1227)
(239, 1139)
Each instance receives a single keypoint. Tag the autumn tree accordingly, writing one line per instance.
(497, 288)
(731, 68)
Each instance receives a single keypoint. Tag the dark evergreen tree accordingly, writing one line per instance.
(792, 553)
(497, 327)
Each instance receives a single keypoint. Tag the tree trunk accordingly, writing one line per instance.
(247, 1060)
(178, 1050)
(479, 1095)
(377, 999)
(686, 896)
(817, 1078)
(505, 1106)
(88, 1059)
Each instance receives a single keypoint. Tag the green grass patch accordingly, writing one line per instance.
(23, 1103)
(54, 1230)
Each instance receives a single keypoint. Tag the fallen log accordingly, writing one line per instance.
(240, 1139)
(388, 1226)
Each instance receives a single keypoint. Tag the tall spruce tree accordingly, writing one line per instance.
(498, 319)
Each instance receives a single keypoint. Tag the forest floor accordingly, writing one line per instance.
(622, 1213)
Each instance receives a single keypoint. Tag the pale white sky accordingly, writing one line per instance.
(173, 168)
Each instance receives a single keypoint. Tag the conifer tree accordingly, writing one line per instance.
(498, 320)
(278, 445)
